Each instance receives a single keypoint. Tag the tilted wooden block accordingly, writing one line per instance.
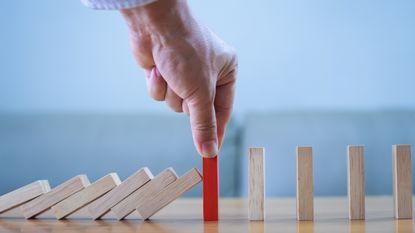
(256, 179)
(305, 197)
(356, 182)
(103, 204)
(87, 195)
(169, 193)
(23, 194)
(402, 181)
(59, 193)
(146, 192)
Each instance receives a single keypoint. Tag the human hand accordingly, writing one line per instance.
(187, 66)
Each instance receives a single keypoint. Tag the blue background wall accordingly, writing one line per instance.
(60, 56)
(337, 58)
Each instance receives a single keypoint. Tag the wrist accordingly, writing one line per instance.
(163, 18)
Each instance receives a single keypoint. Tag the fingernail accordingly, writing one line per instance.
(147, 73)
(152, 73)
(157, 72)
(210, 149)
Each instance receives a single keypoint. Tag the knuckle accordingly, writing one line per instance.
(234, 57)
(205, 127)
(223, 109)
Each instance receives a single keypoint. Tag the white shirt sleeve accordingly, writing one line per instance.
(115, 4)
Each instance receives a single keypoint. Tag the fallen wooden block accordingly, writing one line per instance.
(169, 193)
(402, 181)
(146, 192)
(305, 197)
(59, 193)
(87, 195)
(356, 182)
(103, 204)
(210, 189)
(256, 184)
(23, 195)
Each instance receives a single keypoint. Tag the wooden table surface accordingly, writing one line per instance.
(185, 215)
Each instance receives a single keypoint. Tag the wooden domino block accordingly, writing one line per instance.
(103, 204)
(146, 192)
(169, 193)
(256, 179)
(23, 194)
(356, 182)
(402, 181)
(59, 193)
(305, 197)
(87, 195)
(210, 189)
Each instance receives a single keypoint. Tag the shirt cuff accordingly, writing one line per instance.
(115, 4)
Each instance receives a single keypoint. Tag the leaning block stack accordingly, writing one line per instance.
(141, 191)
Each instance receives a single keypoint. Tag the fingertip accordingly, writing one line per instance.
(156, 85)
(209, 149)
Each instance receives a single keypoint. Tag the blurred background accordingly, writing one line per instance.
(320, 73)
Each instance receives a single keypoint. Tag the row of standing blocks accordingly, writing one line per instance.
(141, 191)
(402, 182)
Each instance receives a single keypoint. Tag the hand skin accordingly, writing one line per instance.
(187, 66)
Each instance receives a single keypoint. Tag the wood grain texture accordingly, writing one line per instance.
(103, 204)
(24, 194)
(210, 189)
(305, 196)
(356, 182)
(185, 215)
(87, 195)
(169, 193)
(402, 181)
(57, 194)
(256, 184)
(146, 192)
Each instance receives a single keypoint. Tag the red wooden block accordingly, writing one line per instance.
(210, 189)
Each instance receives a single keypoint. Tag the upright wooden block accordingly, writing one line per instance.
(169, 193)
(59, 193)
(103, 204)
(210, 189)
(87, 195)
(146, 192)
(256, 179)
(305, 197)
(356, 182)
(402, 181)
(23, 194)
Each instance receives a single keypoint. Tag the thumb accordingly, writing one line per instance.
(203, 124)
